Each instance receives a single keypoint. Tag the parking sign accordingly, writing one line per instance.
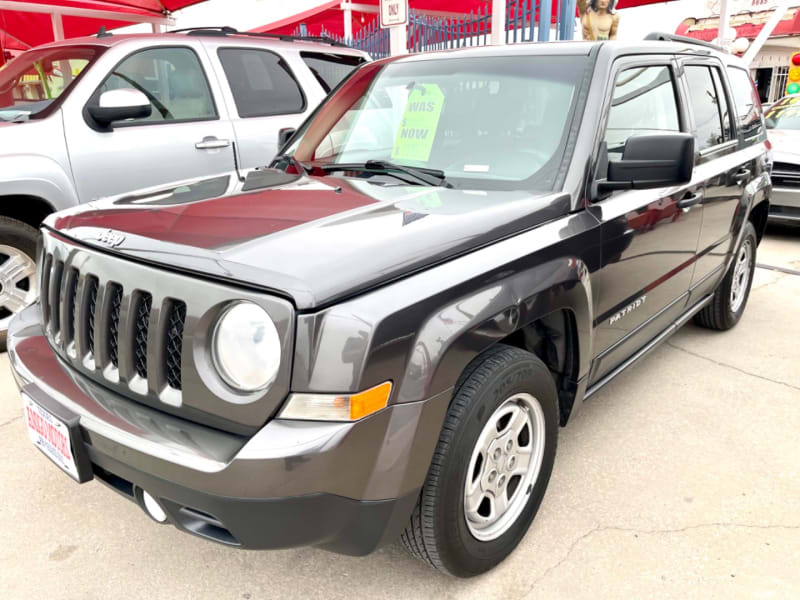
(394, 12)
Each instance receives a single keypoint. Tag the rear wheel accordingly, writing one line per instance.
(730, 298)
(491, 466)
(17, 270)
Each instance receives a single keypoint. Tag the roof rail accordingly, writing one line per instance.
(225, 30)
(657, 36)
(212, 30)
(296, 38)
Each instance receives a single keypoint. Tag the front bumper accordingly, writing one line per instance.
(346, 487)
(784, 204)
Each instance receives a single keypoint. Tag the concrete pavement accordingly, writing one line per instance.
(680, 479)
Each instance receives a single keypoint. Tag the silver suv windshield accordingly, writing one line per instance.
(30, 83)
(490, 122)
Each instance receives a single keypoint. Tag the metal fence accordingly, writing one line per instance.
(426, 33)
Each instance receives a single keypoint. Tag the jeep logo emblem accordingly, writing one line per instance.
(110, 238)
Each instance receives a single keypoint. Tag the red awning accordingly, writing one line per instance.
(328, 15)
(747, 25)
(21, 29)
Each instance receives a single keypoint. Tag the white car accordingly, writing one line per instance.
(783, 123)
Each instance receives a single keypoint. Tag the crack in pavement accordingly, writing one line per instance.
(17, 418)
(602, 528)
(722, 364)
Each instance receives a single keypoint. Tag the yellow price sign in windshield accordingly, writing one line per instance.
(414, 138)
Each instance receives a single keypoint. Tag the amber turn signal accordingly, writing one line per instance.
(331, 407)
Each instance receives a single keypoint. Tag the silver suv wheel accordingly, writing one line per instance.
(741, 275)
(17, 283)
(504, 464)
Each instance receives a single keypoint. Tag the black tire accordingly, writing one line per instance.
(23, 237)
(718, 313)
(437, 532)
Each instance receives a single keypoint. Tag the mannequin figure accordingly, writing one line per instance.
(599, 19)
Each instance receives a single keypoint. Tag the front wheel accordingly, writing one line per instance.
(17, 270)
(729, 301)
(491, 466)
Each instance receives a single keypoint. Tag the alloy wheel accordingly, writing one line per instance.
(741, 275)
(504, 466)
(17, 283)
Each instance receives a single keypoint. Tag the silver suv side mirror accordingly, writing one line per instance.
(121, 104)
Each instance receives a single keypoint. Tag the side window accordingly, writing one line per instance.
(746, 103)
(643, 102)
(261, 82)
(724, 109)
(330, 69)
(171, 78)
(705, 106)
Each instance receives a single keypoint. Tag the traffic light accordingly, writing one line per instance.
(793, 79)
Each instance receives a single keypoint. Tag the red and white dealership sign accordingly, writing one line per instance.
(394, 12)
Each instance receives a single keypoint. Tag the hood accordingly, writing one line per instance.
(785, 144)
(314, 240)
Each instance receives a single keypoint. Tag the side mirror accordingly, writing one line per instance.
(284, 135)
(770, 122)
(651, 161)
(118, 105)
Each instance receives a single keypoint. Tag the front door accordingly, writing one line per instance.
(183, 137)
(649, 237)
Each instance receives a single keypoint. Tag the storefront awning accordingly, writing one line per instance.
(27, 23)
(747, 25)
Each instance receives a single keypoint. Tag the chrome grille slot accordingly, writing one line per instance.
(55, 299)
(114, 307)
(174, 343)
(45, 287)
(70, 299)
(91, 308)
(144, 304)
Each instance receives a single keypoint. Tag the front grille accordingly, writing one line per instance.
(785, 175)
(106, 326)
(140, 332)
(174, 347)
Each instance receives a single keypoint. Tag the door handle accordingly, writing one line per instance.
(690, 199)
(741, 176)
(210, 142)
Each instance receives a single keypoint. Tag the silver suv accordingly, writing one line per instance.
(110, 114)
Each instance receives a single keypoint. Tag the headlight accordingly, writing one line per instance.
(246, 347)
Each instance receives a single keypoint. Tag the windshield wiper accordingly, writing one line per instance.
(434, 177)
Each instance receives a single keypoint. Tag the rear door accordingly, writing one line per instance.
(265, 94)
(186, 135)
(649, 236)
(718, 162)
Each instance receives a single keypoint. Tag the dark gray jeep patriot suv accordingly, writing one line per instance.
(381, 334)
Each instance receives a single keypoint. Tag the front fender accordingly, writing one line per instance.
(36, 175)
(420, 332)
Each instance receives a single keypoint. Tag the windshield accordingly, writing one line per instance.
(35, 79)
(485, 123)
(784, 114)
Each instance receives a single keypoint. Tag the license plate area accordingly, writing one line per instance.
(56, 433)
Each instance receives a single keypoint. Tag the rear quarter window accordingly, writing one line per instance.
(749, 117)
(330, 69)
(261, 82)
